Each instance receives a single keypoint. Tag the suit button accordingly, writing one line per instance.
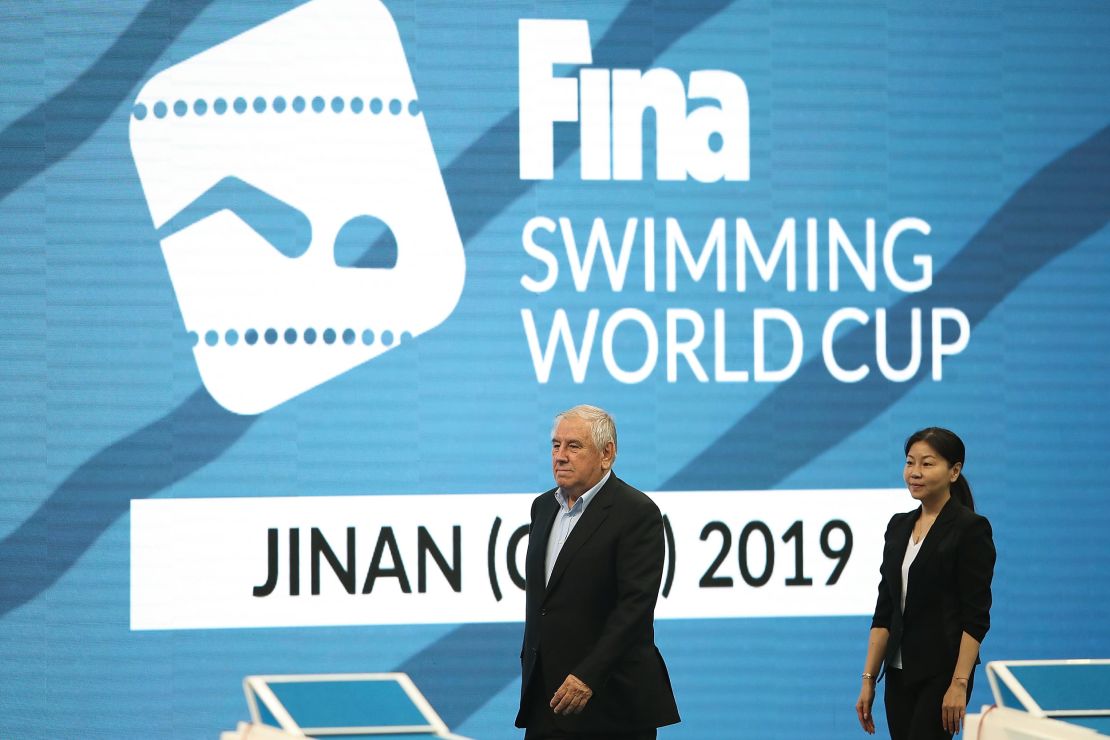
(543, 612)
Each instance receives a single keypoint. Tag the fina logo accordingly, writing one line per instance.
(301, 211)
(709, 143)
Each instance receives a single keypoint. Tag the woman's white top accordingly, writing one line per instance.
(912, 548)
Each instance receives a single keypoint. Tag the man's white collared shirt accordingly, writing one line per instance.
(565, 522)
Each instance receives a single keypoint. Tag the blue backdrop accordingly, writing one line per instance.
(988, 121)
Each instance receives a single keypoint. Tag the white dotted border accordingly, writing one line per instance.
(298, 104)
(272, 336)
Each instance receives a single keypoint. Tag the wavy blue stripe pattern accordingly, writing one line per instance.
(1076, 183)
(87, 102)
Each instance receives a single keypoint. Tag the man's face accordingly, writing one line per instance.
(575, 460)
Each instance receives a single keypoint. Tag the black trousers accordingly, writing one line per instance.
(913, 707)
(529, 734)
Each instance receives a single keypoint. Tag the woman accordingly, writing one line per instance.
(934, 599)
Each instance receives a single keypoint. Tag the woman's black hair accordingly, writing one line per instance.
(951, 448)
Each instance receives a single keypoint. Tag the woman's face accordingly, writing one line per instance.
(927, 474)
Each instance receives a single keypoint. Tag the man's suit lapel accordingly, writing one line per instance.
(596, 513)
(536, 566)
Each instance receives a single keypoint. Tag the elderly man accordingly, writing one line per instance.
(589, 663)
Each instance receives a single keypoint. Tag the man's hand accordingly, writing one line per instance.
(571, 697)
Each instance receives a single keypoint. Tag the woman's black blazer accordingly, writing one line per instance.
(949, 589)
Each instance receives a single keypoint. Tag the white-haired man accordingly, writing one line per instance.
(590, 668)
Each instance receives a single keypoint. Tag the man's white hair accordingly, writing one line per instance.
(603, 429)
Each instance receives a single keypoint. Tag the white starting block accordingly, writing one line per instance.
(351, 706)
(1045, 700)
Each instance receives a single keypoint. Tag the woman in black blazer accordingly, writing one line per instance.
(934, 599)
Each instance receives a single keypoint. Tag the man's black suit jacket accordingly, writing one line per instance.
(595, 618)
(949, 589)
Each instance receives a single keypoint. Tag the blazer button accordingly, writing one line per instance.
(543, 612)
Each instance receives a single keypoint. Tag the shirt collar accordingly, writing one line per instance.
(586, 497)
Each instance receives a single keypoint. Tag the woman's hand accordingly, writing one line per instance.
(863, 706)
(953, 706)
